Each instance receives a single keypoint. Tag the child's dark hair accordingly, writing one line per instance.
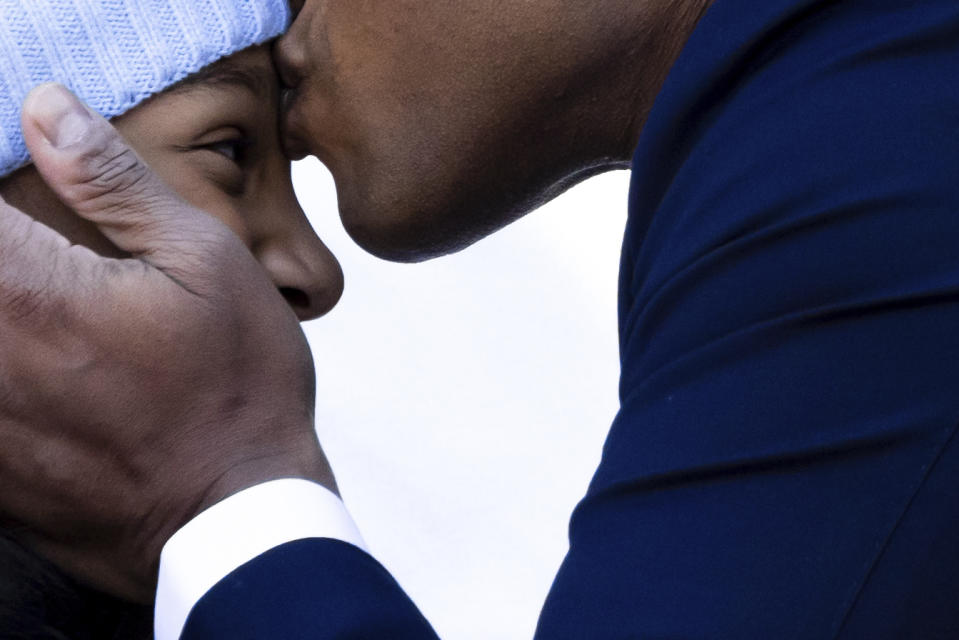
(40, 602)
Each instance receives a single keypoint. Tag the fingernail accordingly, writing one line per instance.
(61, 117)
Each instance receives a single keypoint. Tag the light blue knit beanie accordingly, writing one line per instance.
(116, 53)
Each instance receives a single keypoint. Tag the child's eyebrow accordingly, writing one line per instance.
(226, 73)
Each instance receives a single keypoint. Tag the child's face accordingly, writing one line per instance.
(214, 138)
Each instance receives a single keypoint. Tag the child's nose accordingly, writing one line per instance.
(305, 272)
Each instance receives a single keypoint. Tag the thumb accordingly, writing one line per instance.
(95, 172)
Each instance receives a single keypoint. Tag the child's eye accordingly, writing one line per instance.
(224, 158)
(234, 149)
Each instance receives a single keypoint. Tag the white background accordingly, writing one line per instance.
(463, 402)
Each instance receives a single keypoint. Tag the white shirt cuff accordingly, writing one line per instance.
(234, 531)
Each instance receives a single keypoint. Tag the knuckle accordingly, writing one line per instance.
(115, 175)
(119, 171)
(110, 177)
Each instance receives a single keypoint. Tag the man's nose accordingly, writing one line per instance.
(304, 270)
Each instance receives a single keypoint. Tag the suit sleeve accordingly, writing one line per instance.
(279, 560)
(786, 460)
(310, 589)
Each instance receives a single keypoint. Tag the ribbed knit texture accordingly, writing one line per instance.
(116, 53)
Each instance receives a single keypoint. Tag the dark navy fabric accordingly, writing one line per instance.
(307, 590)
(785, 462)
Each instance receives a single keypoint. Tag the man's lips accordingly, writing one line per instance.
(294, 145)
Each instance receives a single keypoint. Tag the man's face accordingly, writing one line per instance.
(438, 120)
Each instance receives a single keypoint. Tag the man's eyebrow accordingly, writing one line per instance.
(226, 73)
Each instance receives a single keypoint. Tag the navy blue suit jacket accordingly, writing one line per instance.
(785, 462)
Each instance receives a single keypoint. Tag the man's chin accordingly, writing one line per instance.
(398, 243)
(395, 222)
(399, 237)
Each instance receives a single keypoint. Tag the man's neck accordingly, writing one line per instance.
(642, 41)
(615, 57)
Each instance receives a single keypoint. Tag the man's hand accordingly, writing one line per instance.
(134, 393)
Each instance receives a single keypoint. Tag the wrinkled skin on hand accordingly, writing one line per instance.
(113, 372)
